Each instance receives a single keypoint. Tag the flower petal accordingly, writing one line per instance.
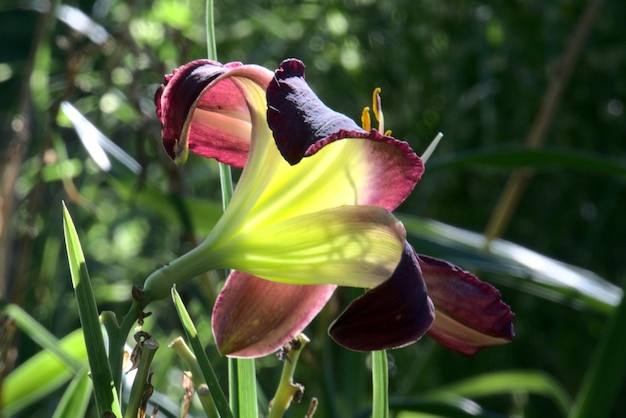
(357, 246)
(470, 314)
(206, 113)
(396, 313)
(302, 125)
(254, 317)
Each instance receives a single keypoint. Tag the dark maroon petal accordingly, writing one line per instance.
(470, 314)
(205, 115)
(394, 314)
(253, 317)
(297, 117)
(177, 95)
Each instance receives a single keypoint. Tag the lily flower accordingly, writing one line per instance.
(311, 211)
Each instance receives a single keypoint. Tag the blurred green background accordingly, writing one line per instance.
(478, 71)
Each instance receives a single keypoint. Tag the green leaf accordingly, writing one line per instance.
(43, 373)
(605, 375)
(39, 334)
(511, 382)
(208, 373)
(435, 404)
(76, 397)
(515, 158)
(104, 388)
(526, 269)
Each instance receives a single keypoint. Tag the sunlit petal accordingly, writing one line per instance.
(392, 315)
(357, 246)
(254, 317)
(383, 169)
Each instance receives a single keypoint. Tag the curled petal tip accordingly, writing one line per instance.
(290, 67)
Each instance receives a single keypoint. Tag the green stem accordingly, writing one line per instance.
(287, 390)
(380, 385)
(117, 342)
(137, 398)
(233, 386)
(202, 390)
(605, 376)
(246, 378)
(210, 32)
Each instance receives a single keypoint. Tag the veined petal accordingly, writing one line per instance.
(357, 246)
(303, 126)
(254, 317)
(206, 114)
(470, 314)
(392, 315)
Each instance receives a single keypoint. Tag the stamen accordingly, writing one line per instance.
(366, 121)
(378, 109)
(431, 148)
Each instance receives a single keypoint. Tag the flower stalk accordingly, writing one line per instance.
(287, 390)
(195, 372)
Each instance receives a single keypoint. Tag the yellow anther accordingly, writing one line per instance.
(388, 132)
(366, 121)
(376, 106)
(378, 109)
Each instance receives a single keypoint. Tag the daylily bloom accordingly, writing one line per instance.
(311, 211)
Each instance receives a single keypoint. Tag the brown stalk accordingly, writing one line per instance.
(519, 179)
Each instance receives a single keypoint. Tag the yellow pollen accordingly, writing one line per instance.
(378, 109)
(366, 121)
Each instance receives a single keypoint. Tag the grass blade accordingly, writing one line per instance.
(221, 403)
(104, 388)
(606, 374)
(510, 382)
(39, 334)
(532, 271)
(519, 158)
(76, 398)
(42, 374)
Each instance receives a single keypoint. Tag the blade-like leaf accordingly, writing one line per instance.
(205, 365)
(510, 382)
(96, 143)
(439, 404)
(39, 334)
(76, 398)
(104, 388)
(515, 158)
(529, 269)
(600, 389)
(42, 374)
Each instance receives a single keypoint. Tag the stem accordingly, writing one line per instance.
(116, 344)
(210, 32)
(201, 387)
(287, 390)
(245, 402)
(518, 181)
(380, 385)
(246, 379)
(139, 393)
